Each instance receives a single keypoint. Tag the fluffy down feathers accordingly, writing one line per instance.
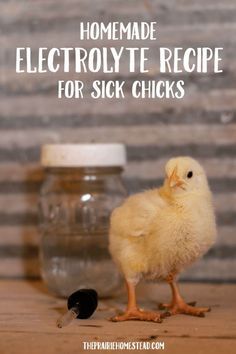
(161, 231)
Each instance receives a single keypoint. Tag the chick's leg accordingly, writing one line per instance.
(178, 305)
(133, 312)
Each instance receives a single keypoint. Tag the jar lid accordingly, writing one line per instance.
(83, 155)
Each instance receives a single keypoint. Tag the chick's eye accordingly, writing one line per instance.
(190, 174)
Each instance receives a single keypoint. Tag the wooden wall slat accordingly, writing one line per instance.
(29, 235)
(160, 135)
(212, 269)
(18, 236)
(207, 270)
(45, 106)
(135, 153)
(24, 203)
(48, 87)
(41, 9)
(49, 12)
(169, 116)
(38, 83)
(148, 169)
(185, 35)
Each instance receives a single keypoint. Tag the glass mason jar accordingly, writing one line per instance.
(82, 186)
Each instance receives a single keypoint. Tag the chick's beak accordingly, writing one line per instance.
(174, 180)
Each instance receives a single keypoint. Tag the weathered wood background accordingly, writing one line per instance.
(203, 124)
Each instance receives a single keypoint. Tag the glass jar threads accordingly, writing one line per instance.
(82, 186)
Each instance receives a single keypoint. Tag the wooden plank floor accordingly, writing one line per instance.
(28, 315)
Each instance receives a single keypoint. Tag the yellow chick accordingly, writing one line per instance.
(157, 233)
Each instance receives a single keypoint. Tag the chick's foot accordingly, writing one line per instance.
(138, 315)
(181, 307)
(162, 306)
(133, 312)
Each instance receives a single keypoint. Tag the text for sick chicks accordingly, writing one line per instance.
(112, 60)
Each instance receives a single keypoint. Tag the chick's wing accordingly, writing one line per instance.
(135, 216)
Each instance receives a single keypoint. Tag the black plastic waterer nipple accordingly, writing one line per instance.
(81, 304)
